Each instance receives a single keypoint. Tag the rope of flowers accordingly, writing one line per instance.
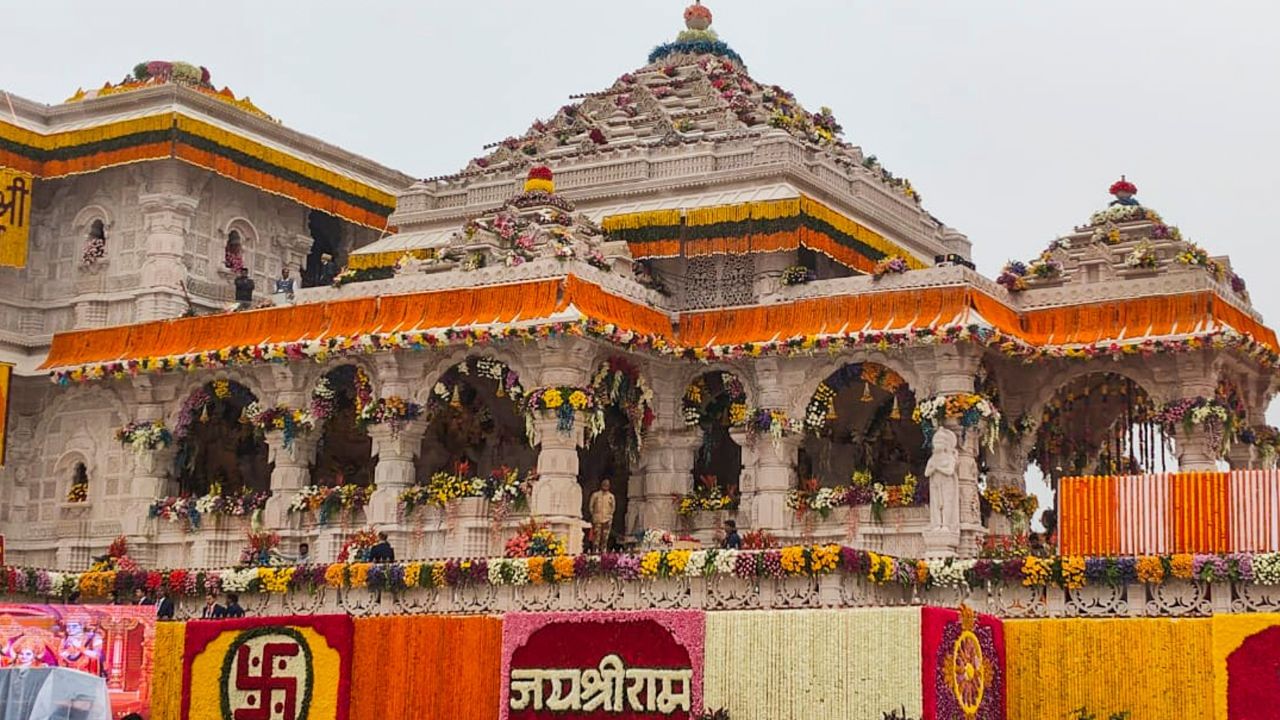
(144, 436)
(809, 499)
(447, 389)
(1070, 572)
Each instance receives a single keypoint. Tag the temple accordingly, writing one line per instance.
(685, 283)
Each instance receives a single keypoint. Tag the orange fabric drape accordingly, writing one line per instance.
(850, 313)
(599, 305)
(1129, 319)
(398, 662)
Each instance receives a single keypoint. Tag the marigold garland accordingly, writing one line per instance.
(1154, 668)
(399, 659)
(166, 671)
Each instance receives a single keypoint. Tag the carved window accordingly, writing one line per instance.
(78, 491)
(701, 288)
(737, 280)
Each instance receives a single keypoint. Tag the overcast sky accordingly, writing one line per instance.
(1010, 117)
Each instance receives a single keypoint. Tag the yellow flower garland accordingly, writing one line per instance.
(166, 671)
(1152, 667)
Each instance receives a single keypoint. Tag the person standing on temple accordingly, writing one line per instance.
(328, 269)
(382, 552)
(233, 609)
(165, 608)
(732, 540)
(284, 284)
(244, 289)
(602, 506)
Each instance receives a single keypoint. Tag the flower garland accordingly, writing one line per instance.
(327, 501)
(1011, 502)
(619, 384)
(970, 409)
(821, 409)
(701, 406)
(797, 275)
(535, 540)
(290, 422)
(190, 510)
(810, 498)
(890, 265)
(563, 402)
(144, 436)
(393, 411)
(448, 388)
(1008, 345)
(706, 496)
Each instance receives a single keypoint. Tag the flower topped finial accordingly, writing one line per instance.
(1124, 192)
(540, 179)
(697, 16)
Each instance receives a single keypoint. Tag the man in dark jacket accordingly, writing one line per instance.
(382, 552)
(328, 269)
(244, 289)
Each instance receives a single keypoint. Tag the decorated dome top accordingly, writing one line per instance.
(693, 90)
(163, 72)
(1134, 238)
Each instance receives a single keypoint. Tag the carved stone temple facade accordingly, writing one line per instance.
(686, 282)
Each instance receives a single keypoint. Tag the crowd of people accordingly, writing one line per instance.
(285, 285)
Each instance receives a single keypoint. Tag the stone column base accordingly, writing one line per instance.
(941, 543)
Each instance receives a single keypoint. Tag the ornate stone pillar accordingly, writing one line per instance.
(1243, 456)
(774, 475)
(396, 452)
(291, 471)
(668, 474)
(557, 495)
(167, 216)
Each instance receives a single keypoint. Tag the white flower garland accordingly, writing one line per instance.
(879, 667)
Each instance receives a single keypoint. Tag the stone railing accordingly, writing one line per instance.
(1172, 599)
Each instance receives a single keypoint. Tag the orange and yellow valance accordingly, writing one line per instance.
(174, 135)
(755, 227)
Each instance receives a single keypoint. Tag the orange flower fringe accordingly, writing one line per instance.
(397, 667)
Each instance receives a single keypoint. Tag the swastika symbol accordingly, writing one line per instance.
(275, 695)
(267, 676)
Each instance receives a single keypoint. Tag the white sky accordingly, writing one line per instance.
(1010, 117)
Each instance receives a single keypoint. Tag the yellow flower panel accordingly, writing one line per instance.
(1151, 667)
(166, 671)
(813, 664)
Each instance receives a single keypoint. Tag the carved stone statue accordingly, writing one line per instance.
(944, 482)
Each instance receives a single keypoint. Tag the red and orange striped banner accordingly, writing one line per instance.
(1203, 512)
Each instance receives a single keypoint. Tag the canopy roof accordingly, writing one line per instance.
(572, 304)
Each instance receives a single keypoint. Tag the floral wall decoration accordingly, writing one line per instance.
(330, 501)
(963, 665)
(851, 664)
(621, 664)
(290, 666)
(1100, 422)
(714, 397)
(564, 403)
(426, 667)
(448, 388)
(1246, 652)
(1154, 667)
(206, 402)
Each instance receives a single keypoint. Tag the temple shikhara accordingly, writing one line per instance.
(679, 347)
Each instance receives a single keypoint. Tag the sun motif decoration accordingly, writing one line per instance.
(967, 670)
